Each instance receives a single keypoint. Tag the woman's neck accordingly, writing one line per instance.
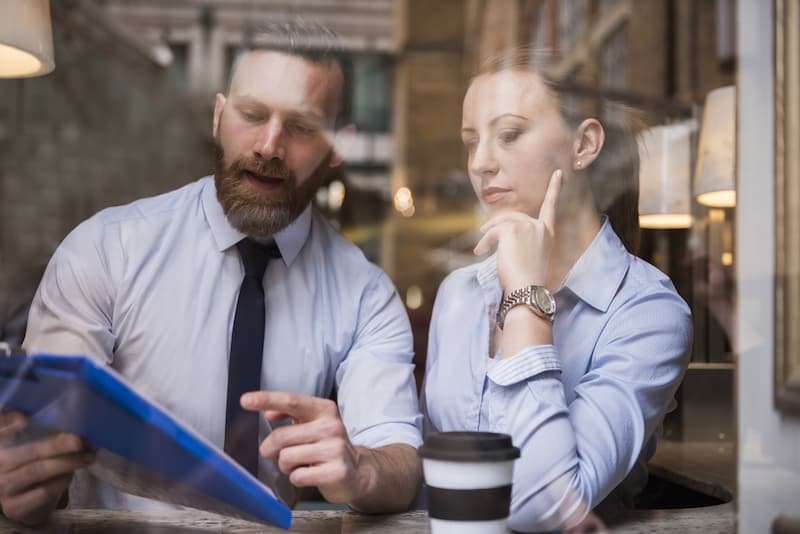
(575, 231)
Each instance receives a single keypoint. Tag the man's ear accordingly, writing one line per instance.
(589, 139)
(342, 141)
(219, 104)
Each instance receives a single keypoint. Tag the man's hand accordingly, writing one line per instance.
(34, 475)
(315, 451)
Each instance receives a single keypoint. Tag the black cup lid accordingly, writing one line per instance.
(468, 447)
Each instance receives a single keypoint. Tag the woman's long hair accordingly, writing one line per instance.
(614, 174)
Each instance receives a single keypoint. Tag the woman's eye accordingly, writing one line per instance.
(509, 136)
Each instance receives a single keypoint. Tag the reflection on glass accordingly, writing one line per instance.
(114, 126)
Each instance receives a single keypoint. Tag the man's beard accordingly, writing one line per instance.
(262, 213)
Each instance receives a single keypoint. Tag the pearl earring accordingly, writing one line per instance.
(577, 163)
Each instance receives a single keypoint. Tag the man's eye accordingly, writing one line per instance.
(509, 136)
(250, 116)
(300, 129)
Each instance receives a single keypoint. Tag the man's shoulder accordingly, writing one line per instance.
(338, 252)
(337, 248)
(140, 219)
(154, 206)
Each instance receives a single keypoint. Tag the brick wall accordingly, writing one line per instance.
(106, 127)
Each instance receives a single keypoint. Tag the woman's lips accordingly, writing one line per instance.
(493, 194)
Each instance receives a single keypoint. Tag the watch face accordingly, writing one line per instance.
(544, 300)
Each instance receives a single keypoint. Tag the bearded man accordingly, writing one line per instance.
(234, 304)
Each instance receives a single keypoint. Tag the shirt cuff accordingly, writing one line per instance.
(523, 365)
(388, 434)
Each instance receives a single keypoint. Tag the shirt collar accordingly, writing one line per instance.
(289, 240)
(487, 273)
(598, 273)
(606, 254)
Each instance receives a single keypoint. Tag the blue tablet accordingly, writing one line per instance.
(141, 448)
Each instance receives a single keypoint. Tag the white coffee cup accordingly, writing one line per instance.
(468, 477)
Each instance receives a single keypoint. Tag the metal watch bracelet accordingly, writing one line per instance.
(528, 296)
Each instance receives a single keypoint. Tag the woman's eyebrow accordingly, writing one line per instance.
(495, 120)
(504, 115)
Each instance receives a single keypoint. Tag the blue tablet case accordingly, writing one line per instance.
(76, 395)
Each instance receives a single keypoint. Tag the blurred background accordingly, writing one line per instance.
(127, 113)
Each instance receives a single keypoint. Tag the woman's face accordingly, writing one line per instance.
(515, 138)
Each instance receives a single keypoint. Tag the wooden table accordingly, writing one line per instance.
(706, 467)
(713, 519)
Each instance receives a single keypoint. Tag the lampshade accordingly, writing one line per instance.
(26, 38)
(714, 180)
(664, 176)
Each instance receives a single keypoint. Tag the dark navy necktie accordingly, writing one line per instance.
(247, 349)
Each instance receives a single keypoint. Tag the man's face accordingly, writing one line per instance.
(273, 136)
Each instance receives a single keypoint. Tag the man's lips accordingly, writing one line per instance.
(493, 194)
(262, 181)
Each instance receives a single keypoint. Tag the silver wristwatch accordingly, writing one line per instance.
(537, 298)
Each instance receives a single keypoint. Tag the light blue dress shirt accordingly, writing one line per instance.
(151, 289)
(585, 410)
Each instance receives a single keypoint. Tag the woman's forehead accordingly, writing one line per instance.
(504, 91)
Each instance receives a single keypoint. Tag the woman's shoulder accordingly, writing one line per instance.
(643, 275)
(644, 282)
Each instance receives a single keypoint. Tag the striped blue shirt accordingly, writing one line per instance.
(584, 410)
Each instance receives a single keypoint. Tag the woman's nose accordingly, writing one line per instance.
(270, 141)
(483, 161)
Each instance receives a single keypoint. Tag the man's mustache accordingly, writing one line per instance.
(263, 167)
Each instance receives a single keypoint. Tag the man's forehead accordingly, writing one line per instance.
(284, 80)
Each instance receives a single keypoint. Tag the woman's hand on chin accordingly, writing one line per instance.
(523, 242)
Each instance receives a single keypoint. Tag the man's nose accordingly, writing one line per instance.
(483, 161)
(269, 143)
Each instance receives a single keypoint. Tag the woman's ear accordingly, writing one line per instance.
(589, 139)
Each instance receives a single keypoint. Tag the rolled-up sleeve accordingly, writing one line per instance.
(529, 362)
(377, 393)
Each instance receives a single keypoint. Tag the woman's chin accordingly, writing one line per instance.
(499, 208)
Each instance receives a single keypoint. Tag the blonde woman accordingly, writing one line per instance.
(562, 337)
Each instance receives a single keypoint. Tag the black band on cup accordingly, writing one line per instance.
(469, 504)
